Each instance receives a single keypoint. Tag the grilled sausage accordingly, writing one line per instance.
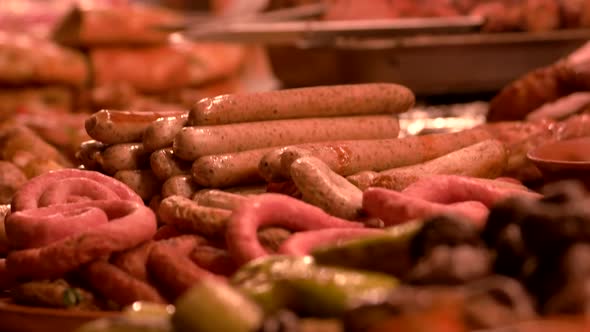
(327, 101)
(192, 143)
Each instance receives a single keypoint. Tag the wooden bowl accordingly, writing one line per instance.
(563, 160)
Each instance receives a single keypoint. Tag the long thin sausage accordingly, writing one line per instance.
(228, 169)
(160, 133)
(112, 127)
(194, 142)
(327, 101)
(188, 216)
(321, 187)
(165, 164)
(124, 156)
(350, 157)
(486, 159)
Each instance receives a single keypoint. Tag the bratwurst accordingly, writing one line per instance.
(192, 143)
(310, 102)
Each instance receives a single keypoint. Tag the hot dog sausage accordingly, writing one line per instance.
(187, 216)
(194, 142)
(112, 127)
(228, 169)
(327, 101)
(218, 199)
(11, 178)
(486, 159)
(165, 164)
(88, 154)
(160, 133)
(123, 156)
(350, 157)
(142, 182)
(322, 187)
(179, 185)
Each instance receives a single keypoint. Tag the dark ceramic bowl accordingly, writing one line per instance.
(563, 160)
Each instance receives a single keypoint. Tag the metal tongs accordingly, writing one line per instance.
(292, 27)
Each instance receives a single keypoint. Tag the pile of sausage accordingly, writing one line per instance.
(219, 143)
(327, 159)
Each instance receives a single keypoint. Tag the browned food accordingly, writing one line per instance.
(172, 66)
(179, 185)
(350, 157)
(88, 155)
(127, 25)
(117, 286)
(54, 294)
(271, 238)
(20, 145)
(195, 142)
(160, 134)
(228, 169)
(213, 259)
(483, 160)
(28, 60)
(534, 89)
(218, 199)
(322, 187)
(188, 216)
(133, 261)
(541, 15)
(165, 164)
(311, 102)
(123, 156)
(172, 267)
(4, 246)
(143, 182)
(11, 178)
(112, 127)
(54, 98)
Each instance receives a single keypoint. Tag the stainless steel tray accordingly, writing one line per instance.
(428, 64)
(323, 33)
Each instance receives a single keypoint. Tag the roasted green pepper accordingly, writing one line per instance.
(299, 284)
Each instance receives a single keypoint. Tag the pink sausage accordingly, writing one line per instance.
(302, 243)
(129, 224)
(273, 210)
(393, 207)
(67, 185)
(447, 189)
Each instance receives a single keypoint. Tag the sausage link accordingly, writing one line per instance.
(218, 199)
(112, 127)
(350, 157)
(88, 154)
(142, 182)
(160, 133)
(322, 187)
(192, 143)
(486, 159)
(229, 169)
(179, 185)
(327, 101)
(187, 216)
(11, 179)
(123, 156)
(165, 164)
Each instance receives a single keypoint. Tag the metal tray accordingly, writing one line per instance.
(428, 64)
(316, 33)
